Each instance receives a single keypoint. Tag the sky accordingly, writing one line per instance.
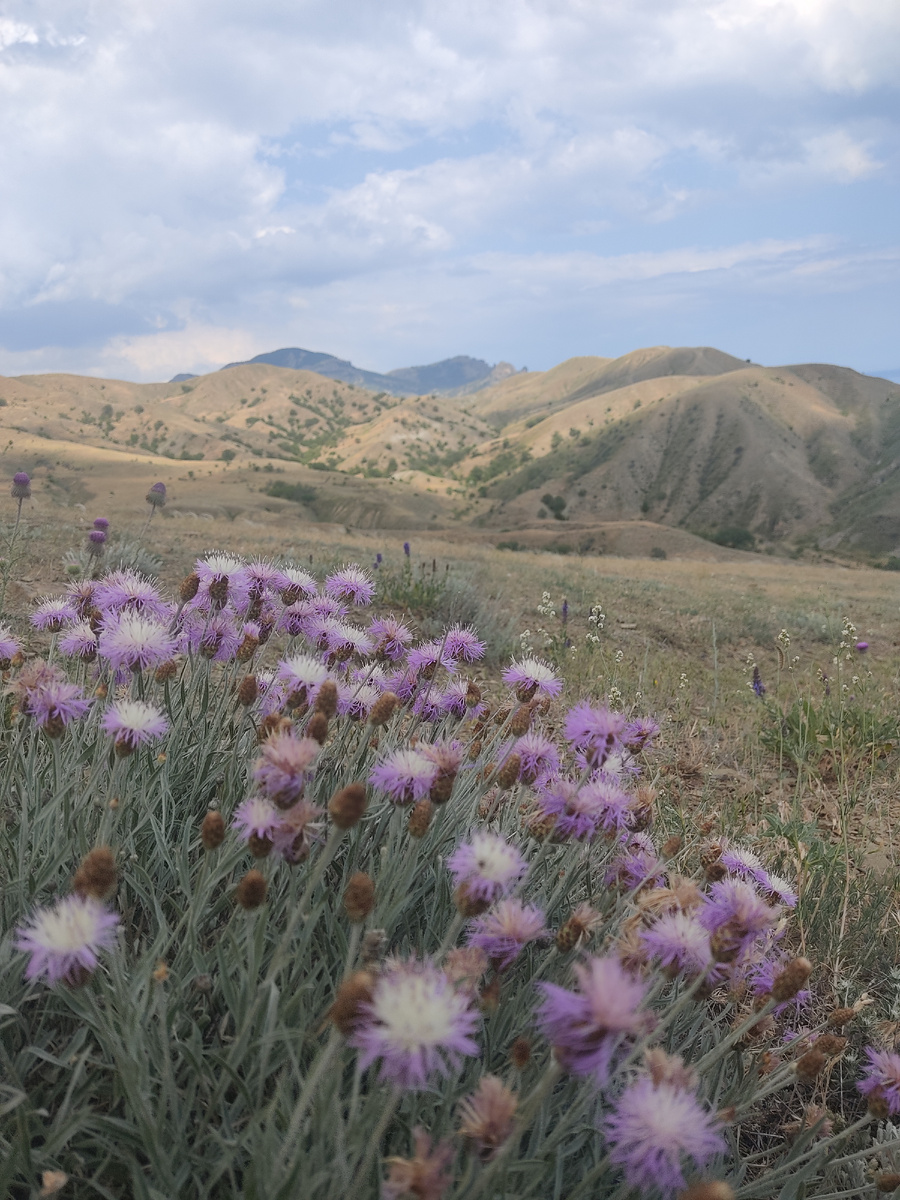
(184, 183)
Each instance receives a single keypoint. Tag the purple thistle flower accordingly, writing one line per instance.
(101, 523)
(652, 1128)
(429, 705)
(446, 756)
(454, 699)
(255, 817)
(127, 591)
(296, 832)
(96, 542)
(735, 916)
(612, 804)
(505, 930)
(133, 723)
(130, 641)
(636, 866)
(406, 549)
(575, 809)
(351, 583)
(530, 676)
(881, 1080)
(9, 647)
(296, 584)
(777, 889)
(405, 775)
(740, 861)
(53, 614)
(294, 618)
(55, 705)
(264, 577)
(403, 683)
(391, 637)
(417, 1023)
(217, 638)
(21, 486)
(287, 762)
(80, 593)
(639, 734)
(64, 941)
(428, 656)
(487, 867)
(761, 978)
(302, 675)
(355, 700)
(594, 732)
(156, 497)
(862, 647)
(587, 1027)
(462, 643)
(223, 579)
(679, 942)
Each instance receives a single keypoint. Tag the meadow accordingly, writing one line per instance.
(455, 872)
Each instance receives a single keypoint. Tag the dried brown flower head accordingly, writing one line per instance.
(840, 1017)
(468, 905)
(97, 875)
(889, 1182)
(166, 670)
(520, 1053)
(420, 818)
(465, 965)
(359, 896)
(425, 1176)
(248, 690)
(317, 728)
(383, 709)
(583, 922)
(669, 1068)
(712, 1189)
(486, 1116)
(508, 772)
(671, 846)
(327, 699)
(252, 890)
(247, 648)
(347, 806)
(809, 1065)
(212, 831)
(354, 992)
(521, 720)
(789, 981)
(190, 585)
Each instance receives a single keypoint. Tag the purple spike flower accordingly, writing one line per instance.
(406, 549)
(505, 930)
(756, 683)
(64, 941)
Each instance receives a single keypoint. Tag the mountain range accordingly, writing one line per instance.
(663, 448)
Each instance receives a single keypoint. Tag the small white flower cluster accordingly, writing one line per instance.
(683, 682)
(525, 642)
(545, 608)
(596, 621)
(615, 697)
(848, 638)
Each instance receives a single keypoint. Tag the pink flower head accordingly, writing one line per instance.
(417, 1023)
(639, 734)
(64, 941)
(653, 1128)
(588, 1026)
(81, 596)
(264, 577)
(257, 817)
(636, 865)
(9, 647)
(134, 723)
(461, 642)
(538, 756)
(405, 775)
(453, 701)
(487, 867)
(296, 584)
(575, 809)
(403, 683)
(741, 862)
(593, 732)
(429, 705)
(351, 583)
(735, 916)
(21, 486)
(287, 762)
(613, 806)
(530, 677)
(223, 580)
(425, 659)
(296, 832)
(881, 1080)
(762, 975)
(680, 943)
(302, 675)
(503, 931)
(355, 700)
(130, 641)
(294, 619)
(391, 637)
(56, 704)
(53, 614)
(446, 756)
(79, 641)
(127, 591)
(425, 1176)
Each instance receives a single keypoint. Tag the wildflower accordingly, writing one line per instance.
(778, 889)
(127, 591)
(355, 991)
(347, 806)
(359, 896)
(64, 941)
(741, 862)
(457, 699)
(462, 642)
(425, 1176)
(679, 942)
(302, 676)
(9, 647)
(212, 830)
(417, 1023)
(406, 549)
(156, 497)
(222, 579)
(734, 915)
(486, 1116)
(252, 890)
(350, 583)
(652, 1128)
(294, 584)
(862, 647)
(593, 732)
(53, 614)
(79, 641)
(505, 930)
(21, 486)
(96, 877)
(487, 867)
(95, 543)
(575, 811)
(255, 817)
(756, 682)
(639, 734)
(134, 642)
(286, 764)
(405, 775)
(447, 758)
(216, 638)
(881, 1081)
(133, 723)
(391, 637)
(538, 757)
(583, 922)
(425, 659)
(465, 965)
(339, 639)
(296, 832)
(587, 1026)
(357, 700)
(55, 704)
(530, 677)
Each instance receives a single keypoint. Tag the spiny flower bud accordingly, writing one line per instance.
(473, 694)
(359, 896)
(383, 709)
(809, 1066)
(489, 1000)
(97, 875)
(327, 699)
(347, 806)
(712, 1189)
(509, 772)
(878, 1105)
(247, 648)
(840, 1017)
(887, 1183)
(248, 690)
(468, 905)
(520, 1053)
(353, 993)
(521, 720)
(442, 788)
(166, 670)
(317, 728)
(259, 846)
(252, 890)
(218, 591)
(271, 725)
(582, 923)
(212, 831)
(542, 826)
(831, 1045)
(420, 818)
(789, 981)
(671, 846)
(190, 585)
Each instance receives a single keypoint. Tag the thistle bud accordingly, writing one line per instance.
(712, 1189)
(887, 1183)
(359, 896)
(212, 831)
(473, 694)
(259, 845)
(327, 699)
(809, 1066)
(831, 1045)
(468, 905)
(789, 981)
(317, 728)
(489, 1000)
(521, 720)
(252, 890)
(274, 723)
(353, 993)
(715, 871)
(383, 709)
(671, 846)
(21, 486)
(420, 818)
(165, 671)
(247, 648)
(156, 497)
(520, 1053)
(248, 690)
(347, 806)
(508, 773)
(541, 827)
(840, 1017)
(442, 788)
(97, 875)
(218, 591)
(190, 585)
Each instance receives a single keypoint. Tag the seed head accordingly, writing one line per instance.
(97, 876)
(509, 772)
(189, 587)
(212, 831)
(347, 806)
(520, 1053)
(166, 671)
(831, 1045)
(789, 981)
(442, 788)
(327, 699)
(521, 720)
(671, 846)
(383, 709)
(247, 648)
(259, 845)
(248, 690)
(359, 897)
(809, 1066)
(317, 728)
(252, 890)
(420, 818)
(353, 994)
(467, 904)
(840, 1017)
